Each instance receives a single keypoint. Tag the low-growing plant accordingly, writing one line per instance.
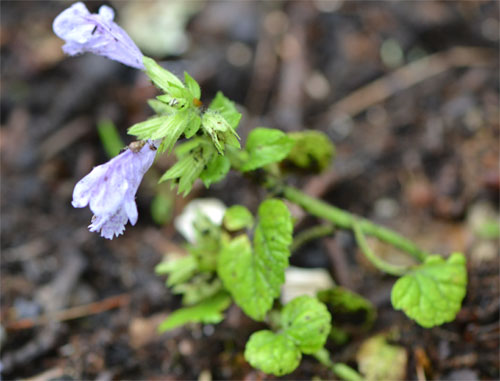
(243, 259)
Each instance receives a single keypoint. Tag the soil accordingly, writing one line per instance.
(417, 150)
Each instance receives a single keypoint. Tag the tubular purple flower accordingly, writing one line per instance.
(109, 190)
(96, 33)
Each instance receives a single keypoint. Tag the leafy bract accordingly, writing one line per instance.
(161, 77)
(219, 130)
(216, 170)
(237, 217)
(254, 277)
(272, 353)
(227, 109)
(432, 293)
(265, 146)
(312, 150)
(305, 323)
(209, 312)
(179, 270)
(192, 85)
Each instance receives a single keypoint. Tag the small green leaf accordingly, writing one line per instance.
(237, 217)
(160, 108)
(227, 109)
(219, 130)
(216, 170)
(272, 353)
(110, 138)
(307, 321)
(254, 278)
(198, 288)
(144, 130)
(266, 146)
(208, 312)
(312, 150)
(179, 270)
(192, 85)
(193, 125)
(432, 293)
(160, 76)
(171, 130)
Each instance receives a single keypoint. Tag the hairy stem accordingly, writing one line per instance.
(345, 220)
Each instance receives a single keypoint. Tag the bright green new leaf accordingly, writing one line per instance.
(312, 150)
(226, 108)
(179, 270)
(219, 130)
(266, 146)
(192, 85)
(160, 108)
(237, 217)
(216, 170)
(307, 321)
(272, 353)
(160, 76)
(432, 293)
(193, 125)
(110, 138)
(208, 312)
(254, 278)
(145, 129)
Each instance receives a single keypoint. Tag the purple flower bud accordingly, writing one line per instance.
(109, 189)
(96, 33)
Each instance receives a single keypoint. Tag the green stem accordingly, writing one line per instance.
(311, 234)
(345, 220)
(376, 261)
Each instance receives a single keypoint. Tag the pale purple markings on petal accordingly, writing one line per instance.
(109, 190)
(96, 33)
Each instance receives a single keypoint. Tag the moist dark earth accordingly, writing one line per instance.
(417, 151)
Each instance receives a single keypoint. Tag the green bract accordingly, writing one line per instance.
(305, 325)
(432, 293)
(237, 217)
(253, 277)
(209, 312)
(265, 146)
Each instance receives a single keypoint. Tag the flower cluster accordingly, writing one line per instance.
(96, 33)
(109, 189)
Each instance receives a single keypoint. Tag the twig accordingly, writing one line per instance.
(71, 313)
(408, 76)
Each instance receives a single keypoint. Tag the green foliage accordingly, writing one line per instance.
(219, 130)
(349, 305)
(161, 77)
(490, 229)
(265, 146)
(162, 207)
(227, 109)
(237, 217)
(192, 85)
(343, 371)
(208, 312)
(305, 323)
(432, 293)
(208, 243)
(110, 138)
(312, 150)
(200, 287)
(253, 277)
(178, 270)
(216, 169)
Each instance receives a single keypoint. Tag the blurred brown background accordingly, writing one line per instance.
(409, 93)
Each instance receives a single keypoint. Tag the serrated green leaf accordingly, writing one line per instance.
(237, 217)
(226, 108)
(208, 312)
(254, 279)
(266, 146)
(307, 321)
(145, 129)
(179, 270)
(272, 353)
(160, 76)
(160, 108)
(312, 150)
(216, 170)
(432, 293)
(171, 130)
(192, 85)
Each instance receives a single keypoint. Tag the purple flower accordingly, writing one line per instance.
(109, 189)
(96, 33)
